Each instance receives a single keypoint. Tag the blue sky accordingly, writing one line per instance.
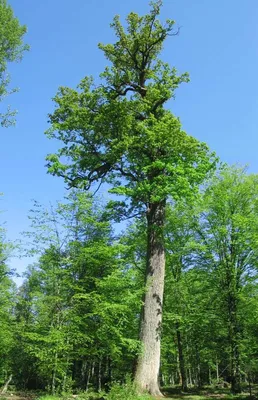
(217, 45)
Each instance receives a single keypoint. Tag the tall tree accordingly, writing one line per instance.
(120, 132)
(229, 232)
(7, 294)
(179, 244)
(76, 311)
(11, 49)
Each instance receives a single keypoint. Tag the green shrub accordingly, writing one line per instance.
(126, 392)
(48, 397)
(91, 396)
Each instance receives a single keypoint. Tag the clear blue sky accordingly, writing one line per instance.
(218, 45)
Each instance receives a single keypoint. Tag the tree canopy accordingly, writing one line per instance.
(12, 48)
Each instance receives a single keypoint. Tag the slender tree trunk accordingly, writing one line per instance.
(84, 369)
(180, 380)
(234, 341)
(53, 381)
(235, 364)
(210, 379)
(181, 359)
(249, 385)
(190, 377)
(217, 370)
(99, 376)
(65, 375)
(5, 387)
(198, 369)
(147, 371)
(89, 375)
(109, 371)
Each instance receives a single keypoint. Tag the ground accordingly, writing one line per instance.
(170, 393)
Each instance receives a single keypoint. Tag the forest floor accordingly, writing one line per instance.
(209, 393)
(169, 393)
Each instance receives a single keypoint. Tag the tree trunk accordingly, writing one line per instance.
(181, 359)
(235, 365)
(210, 378)
(190, 377)
(5, 387)
(65, 375)
(53, 380)
(84, 369)
(99, 376)
(234, 340)
(217, 370)
(147, 370)
(198, 369)
(109, 371)
(89, 375)
(249, 385)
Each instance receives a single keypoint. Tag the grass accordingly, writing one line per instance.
(128, 392)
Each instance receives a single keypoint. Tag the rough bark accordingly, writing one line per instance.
(147, 370)
(181, 359)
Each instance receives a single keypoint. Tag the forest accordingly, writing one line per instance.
(153, 293)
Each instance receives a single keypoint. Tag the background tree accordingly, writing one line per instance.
(229, 232)
(76, 311)
(11, 49)
(74, 322)
(7, 301)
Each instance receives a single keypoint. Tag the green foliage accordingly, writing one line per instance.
(78, 302)
(7, 301)
(73, 324)
(119, 132)
(11, 49)
(211, 274)
(127, 391)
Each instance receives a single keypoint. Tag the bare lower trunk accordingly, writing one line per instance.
(147, 371)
